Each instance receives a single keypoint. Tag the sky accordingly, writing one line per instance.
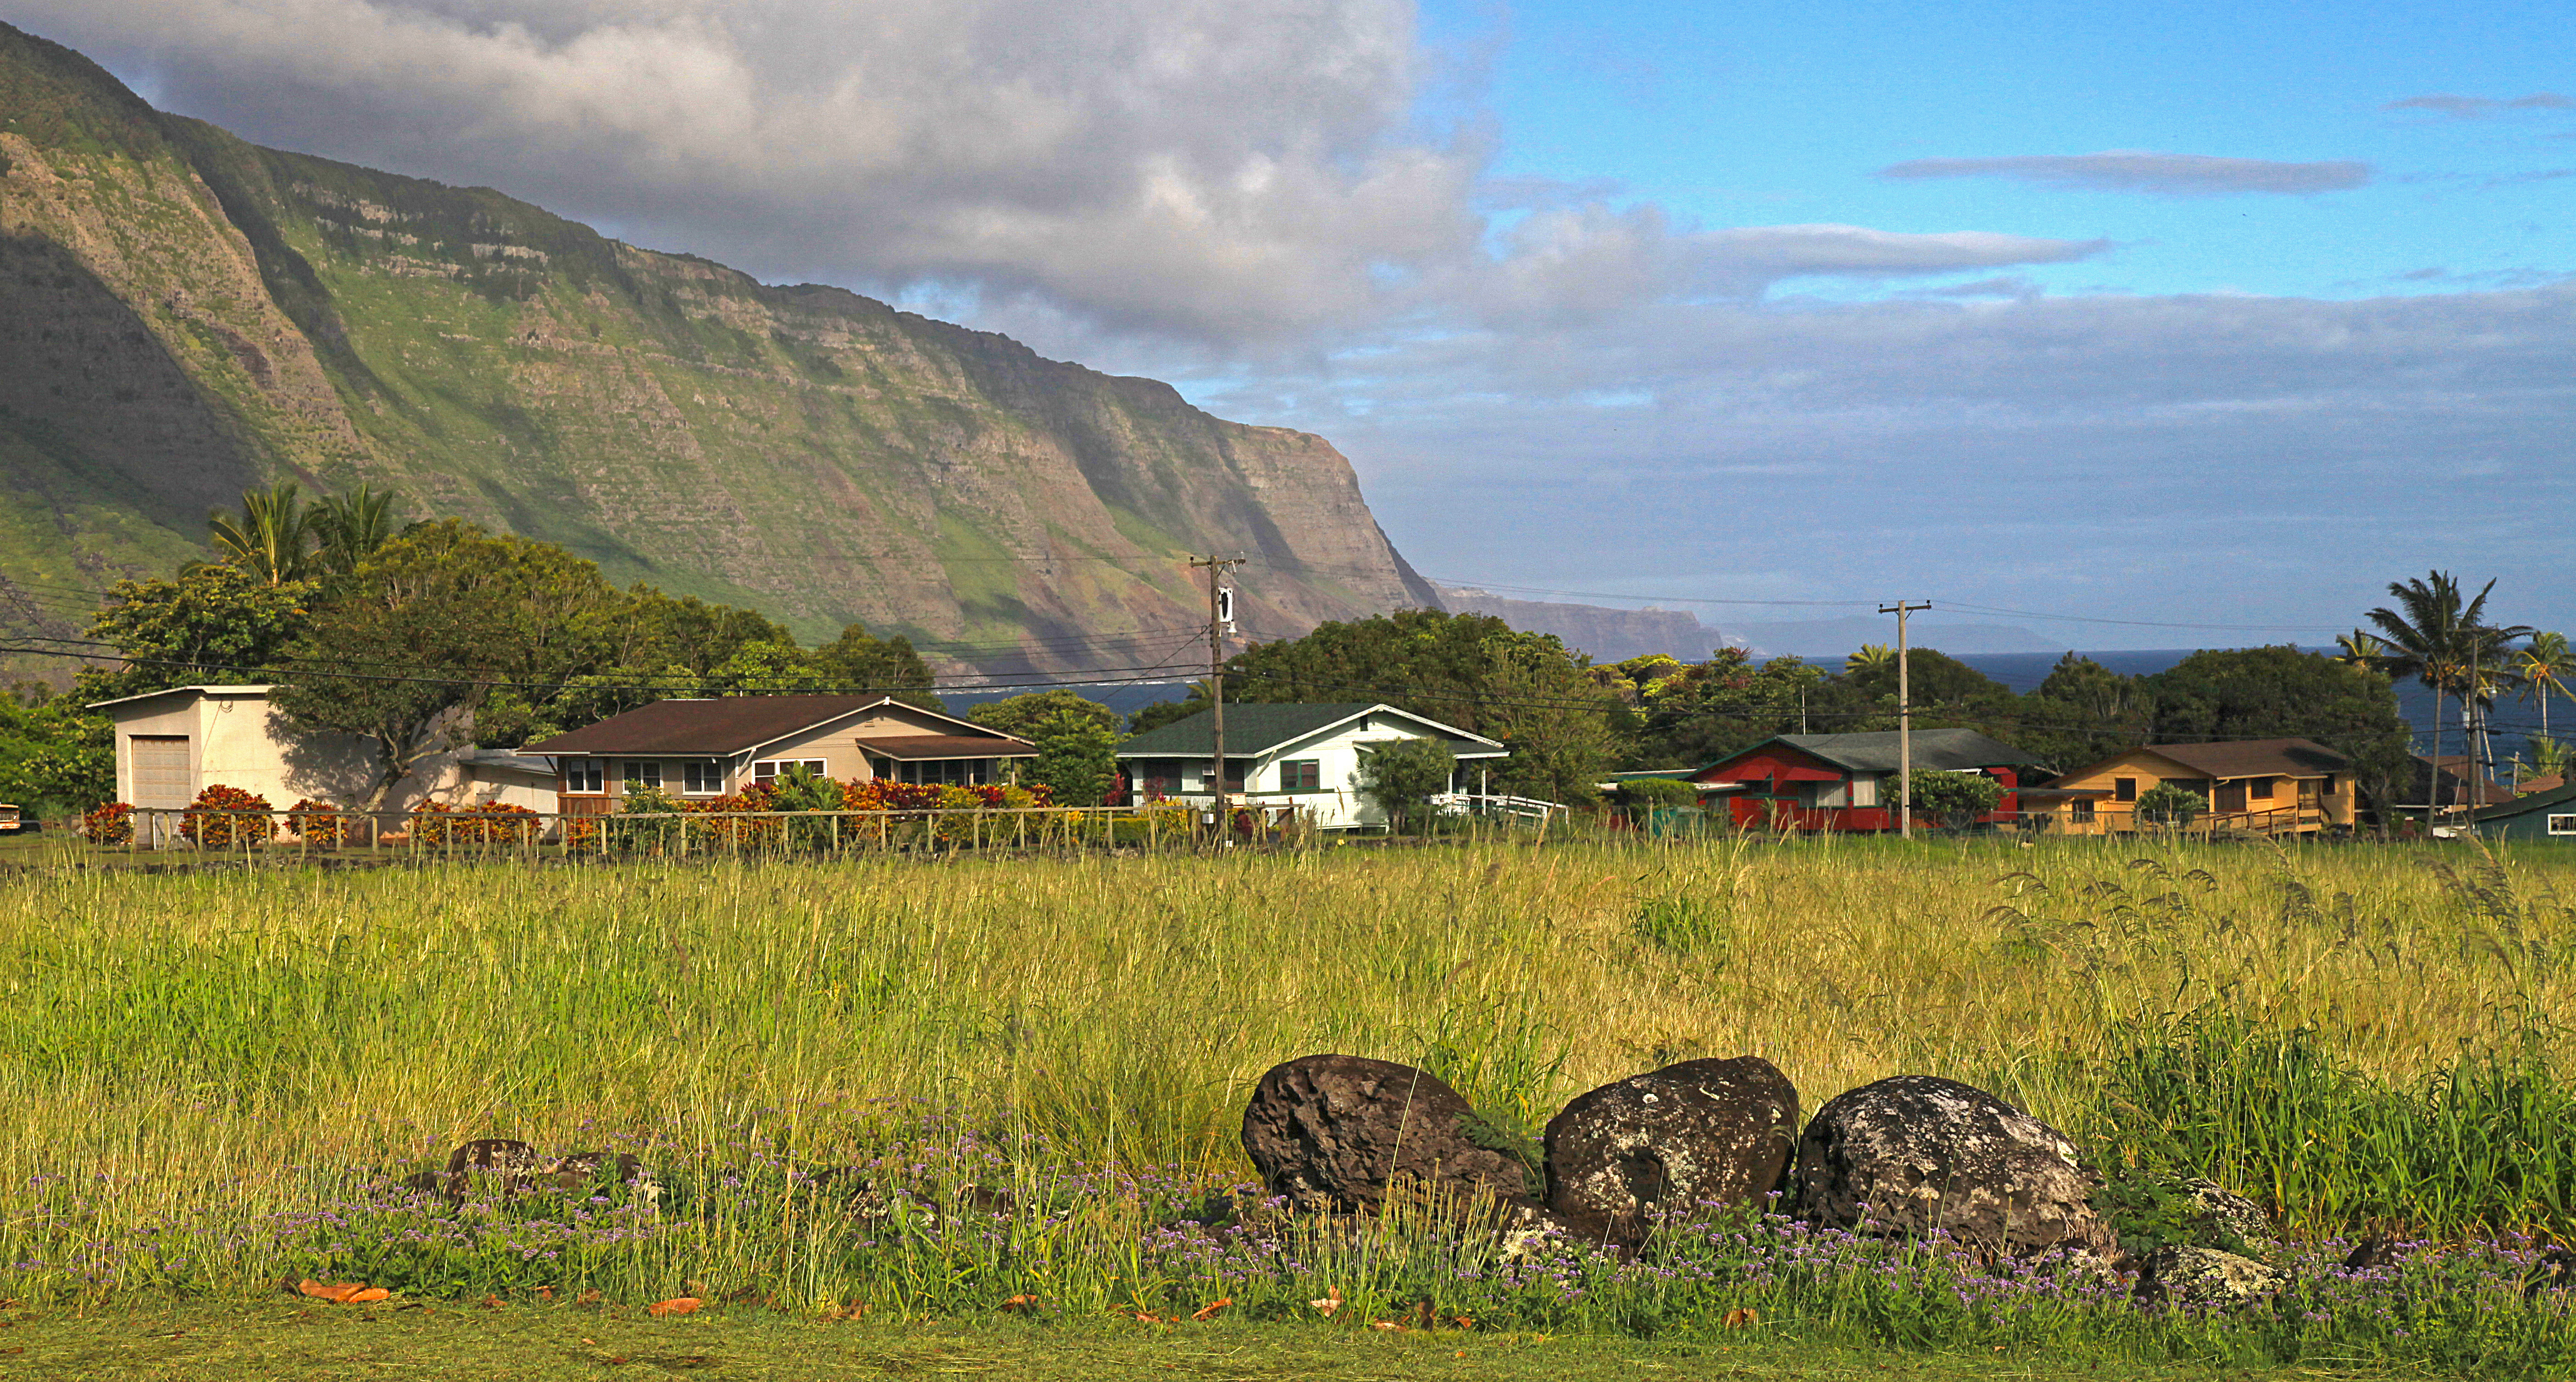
(2182, 325)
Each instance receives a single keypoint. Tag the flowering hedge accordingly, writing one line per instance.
(109, 823)
(320, 823)
(484, 823)
(881, 795)
(222, 817)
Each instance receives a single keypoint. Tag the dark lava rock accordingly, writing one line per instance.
(1704, 1130)
(1917, 1153)
(1331, 1132)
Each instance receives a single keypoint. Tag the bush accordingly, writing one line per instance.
(2167, 806)
(320, 823)
(1956, 799)
(1658, 792)
(222, 817)
(110, 823)
(489, 822)
(1401, 777)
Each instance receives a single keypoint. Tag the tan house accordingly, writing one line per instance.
(173, 744)
(2270, 786)
(718, 746)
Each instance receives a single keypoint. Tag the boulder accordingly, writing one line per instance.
(1703, 1131)
(1917, 1153)
(2221, 1214)
(1331, 1132)
(2180, 1275)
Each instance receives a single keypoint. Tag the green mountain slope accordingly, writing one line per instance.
(183, 314)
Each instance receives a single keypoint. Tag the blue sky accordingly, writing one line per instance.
(2201, 321)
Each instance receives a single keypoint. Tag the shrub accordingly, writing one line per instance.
(222, 817)
(1402, 776)
(488, 822)
(1658, 792)
(1956, 799)
(320, 823)
(2165, 805)
(110, 823)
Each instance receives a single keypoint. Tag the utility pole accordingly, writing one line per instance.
(1218, 615)
(1904, 722)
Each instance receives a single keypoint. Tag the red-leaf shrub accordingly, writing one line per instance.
(222, 817)
(320, 823)
(484, 823)
(109, 823)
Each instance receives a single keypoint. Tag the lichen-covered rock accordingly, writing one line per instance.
(1330, 1133)
(1917, 1153)
(1715, 1131)
(2205, 1276)
(2222, 1214)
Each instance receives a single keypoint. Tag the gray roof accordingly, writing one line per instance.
(1936, 749)
(1254, 728)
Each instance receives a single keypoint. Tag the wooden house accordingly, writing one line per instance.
(2269, 786)
(1305, 756)
(1845, 781)
(718, 746)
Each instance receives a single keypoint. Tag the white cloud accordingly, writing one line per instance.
(2139, 170)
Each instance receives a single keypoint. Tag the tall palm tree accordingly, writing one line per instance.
(1870, 655)
(2542, 668)
(2443, 641)
(348, 528)
(268, 538)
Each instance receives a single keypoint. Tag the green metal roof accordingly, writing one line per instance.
(2560, 795)
(1254, 728)
(1876, 750)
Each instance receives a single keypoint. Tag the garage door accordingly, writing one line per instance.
(161, 775)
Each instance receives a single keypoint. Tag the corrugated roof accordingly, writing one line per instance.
(1877, 751)
(917, 747)
(1255, 728)
(2256, 758)
(2560, 796)
(721, 725)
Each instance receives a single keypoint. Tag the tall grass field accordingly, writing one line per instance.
(925, 1086)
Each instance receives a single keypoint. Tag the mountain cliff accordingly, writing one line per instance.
(184, 315)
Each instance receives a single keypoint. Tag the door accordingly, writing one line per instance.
(161, 776)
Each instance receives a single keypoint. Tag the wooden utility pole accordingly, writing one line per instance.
(1904, 722)
(1216, 569)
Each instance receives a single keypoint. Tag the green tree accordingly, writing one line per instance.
(270, 540)
(54, 757)
(1955, 799)
(1708, 710)
(1077, 758)
(2168, 807)
(2082, 712)
(1401, 776)
(428, 627)
(768, 669)
(207, 624)
(860, 660)
(1027, 716)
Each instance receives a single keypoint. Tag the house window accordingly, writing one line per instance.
(1301, 775)
(585, 775)
(643, 774)
(769, 768)
(2562, 825)
(2124, 789)
(2080, 811)
(2259, 788)
(702, 777)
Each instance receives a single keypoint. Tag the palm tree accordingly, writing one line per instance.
(1870, 655)
(2444, 642)
(2359, 649)
(348, 528)
(2541, 668)
(268, 539)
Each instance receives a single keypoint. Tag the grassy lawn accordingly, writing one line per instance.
(288, 1343)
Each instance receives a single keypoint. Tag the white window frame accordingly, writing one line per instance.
(585, 777)
(2561, 825)
(706, 770)
(640, 773)
(769, 768)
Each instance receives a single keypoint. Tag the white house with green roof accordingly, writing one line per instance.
(1307, 756)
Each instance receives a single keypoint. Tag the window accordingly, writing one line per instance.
(1301, 775)
(643, 774)
(585, 775)
(2080, 811)
(768, 768)
(2124, 789)
(2562, 825)
(2259, 788)
(700, 777)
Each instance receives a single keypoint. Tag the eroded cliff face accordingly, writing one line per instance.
(183, 314)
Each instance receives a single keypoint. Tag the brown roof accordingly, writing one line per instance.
(718, 725)
(913, 747)
(2256, 758)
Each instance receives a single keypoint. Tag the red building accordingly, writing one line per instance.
(1833, 781)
